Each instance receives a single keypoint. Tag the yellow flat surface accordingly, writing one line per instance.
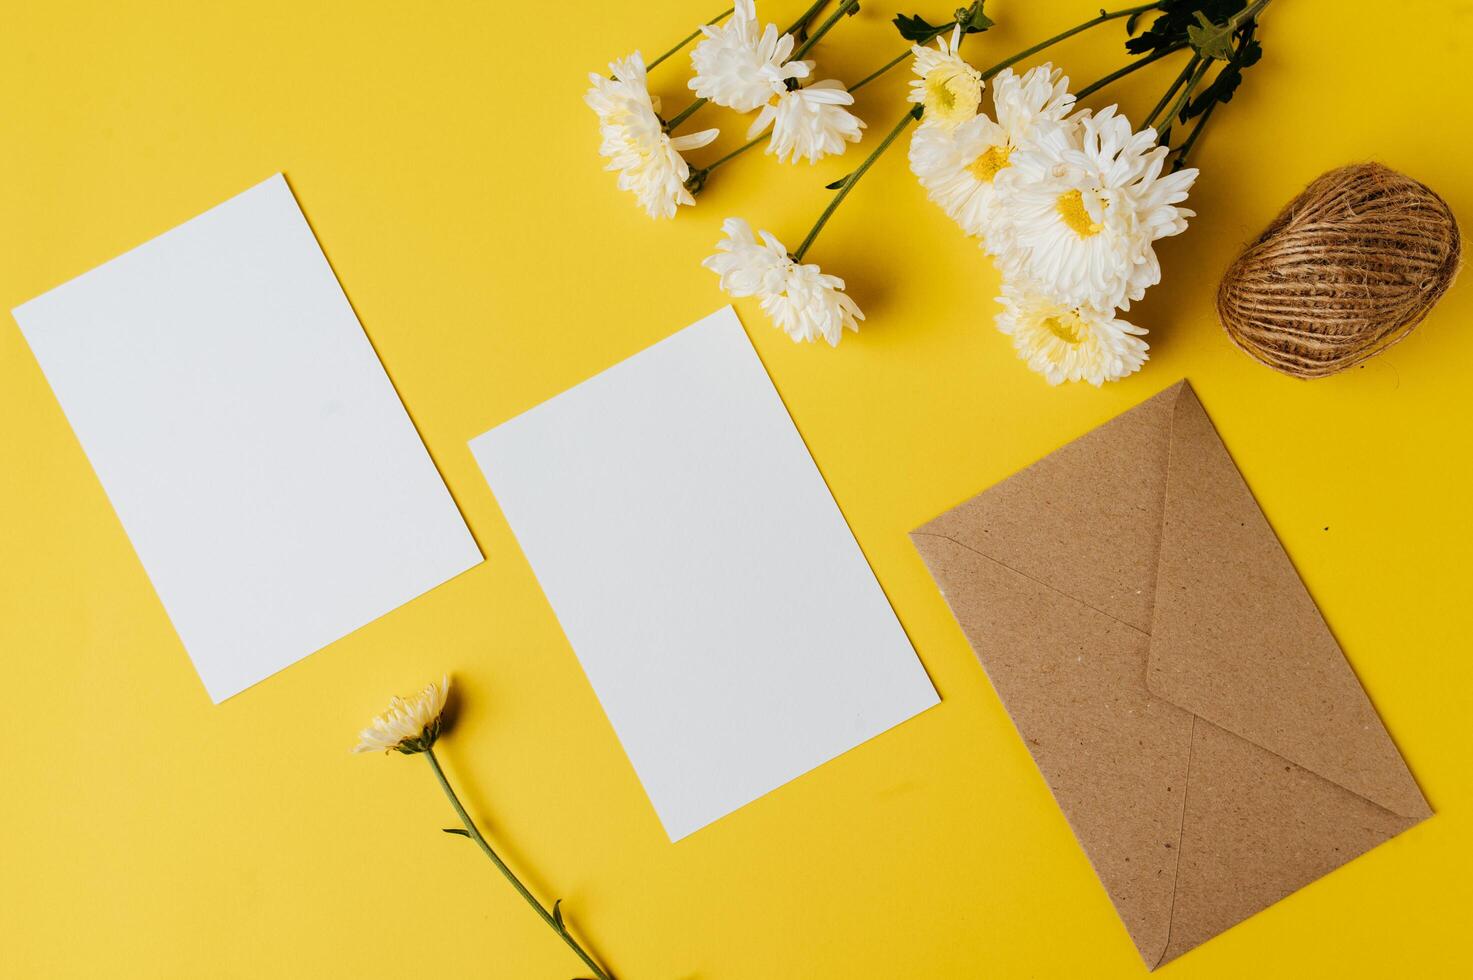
(443, 154)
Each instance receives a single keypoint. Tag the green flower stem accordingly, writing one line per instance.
(798, 25)
(1104, 15)
(885, 67)
(1181, 78)
(1136, 65)
(1191, 140)
(1169, 120)
(1185, 150)
(901, 57)
(738, 151)
(845, 8)
(689, 38)
(684, 114)
(1246, 14)
(801, 24)
(475, 835)
(853, 179)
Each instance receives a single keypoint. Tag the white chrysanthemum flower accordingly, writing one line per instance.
(800, 299)
(1082, 211)
(947, 86)
(740, 68)
(409, 725)
(958, 166)
(809, 123)
(1064, 342)
(635, 143)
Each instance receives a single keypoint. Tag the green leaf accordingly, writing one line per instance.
(457, 830)
(838, 183)
(973, 21)
(914, 28)
(1226, 83)
(1211, 40)
(918, 30)
(1173, 19)
(557, 915)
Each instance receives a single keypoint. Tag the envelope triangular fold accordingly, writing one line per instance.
(1256, 829)
(1074, 520)
(1237, 639)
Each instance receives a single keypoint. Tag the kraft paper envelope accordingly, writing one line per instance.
(1173, 679)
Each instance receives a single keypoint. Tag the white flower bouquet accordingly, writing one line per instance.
(1067, 201)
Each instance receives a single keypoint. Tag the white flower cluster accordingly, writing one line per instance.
(740, 69)
(737, 65)
(1068, 203)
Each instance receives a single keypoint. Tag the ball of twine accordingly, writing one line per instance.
(1347, 269)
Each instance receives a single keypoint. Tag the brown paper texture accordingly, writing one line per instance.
(1183, 698)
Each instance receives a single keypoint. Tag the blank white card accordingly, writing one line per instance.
(243, 428)
(707, 582)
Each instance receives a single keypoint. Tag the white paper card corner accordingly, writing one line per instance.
(241, 424)
(711, 589)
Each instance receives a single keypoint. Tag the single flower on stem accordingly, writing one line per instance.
(647, 159)
(411, 726)
(1063, 342)
(801, 299)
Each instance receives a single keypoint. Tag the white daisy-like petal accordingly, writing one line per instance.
(1040, 96)
(809, 123)
(741, 66)
(647, 159)
(957, 168)
(409, 725)
(1082, 211)
(801, 299)
(1064, 342)
(946, 85)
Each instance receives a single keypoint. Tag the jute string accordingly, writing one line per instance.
(1346, 270)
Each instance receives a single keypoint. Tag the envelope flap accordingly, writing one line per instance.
(1237, 639)
(1084, 520)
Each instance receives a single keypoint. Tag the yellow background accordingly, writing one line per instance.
(444, 156)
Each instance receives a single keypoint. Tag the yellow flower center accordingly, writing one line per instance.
(952, 95)
(1070, 331)
(943, 99)
(986, 166)
(1071, 209)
